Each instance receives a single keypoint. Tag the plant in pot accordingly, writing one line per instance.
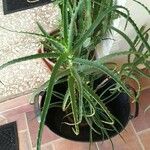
(87, 99)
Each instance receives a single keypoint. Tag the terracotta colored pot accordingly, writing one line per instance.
(48, 63)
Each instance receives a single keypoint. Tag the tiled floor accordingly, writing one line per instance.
(136, 136)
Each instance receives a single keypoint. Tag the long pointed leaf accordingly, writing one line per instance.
(136, 29)
(65, 20)
(100, 17)
(54, 41)
(146, 8)
(71, 85)
(42, 29)
(34, 56)
(65, 101)
(105, 70)
(48, 97)
(80, 90)
(101, 104)
(116, 54)
(125, 37)
(71, 26)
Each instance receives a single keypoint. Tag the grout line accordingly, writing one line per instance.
(21, 131)
(51, 143)
(138, 138)
(143, 131)
(53, 147)
(46, 144)
(12, 109)
(28, 130)
(97, 146)
(3, 117)
(57, 140)
(12, 97)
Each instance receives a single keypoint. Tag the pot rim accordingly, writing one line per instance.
(48, 63)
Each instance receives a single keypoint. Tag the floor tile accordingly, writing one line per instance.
(130, 141)
(46, 147)
(145, 98)
(64, 144)
(145, 82)
(19, 110)
(24, 141)
(20, 118)
(3, 120)
(142, 122)
(145, 139)
(33, 129)
(9, 104)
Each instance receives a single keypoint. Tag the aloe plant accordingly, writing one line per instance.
(84, 24)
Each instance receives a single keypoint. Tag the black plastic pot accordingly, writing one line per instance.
(119, 107)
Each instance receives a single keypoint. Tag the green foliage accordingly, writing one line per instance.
(84, 24)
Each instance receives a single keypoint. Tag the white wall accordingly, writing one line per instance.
(139, 15)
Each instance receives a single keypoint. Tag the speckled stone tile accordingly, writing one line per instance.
(24, 76)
